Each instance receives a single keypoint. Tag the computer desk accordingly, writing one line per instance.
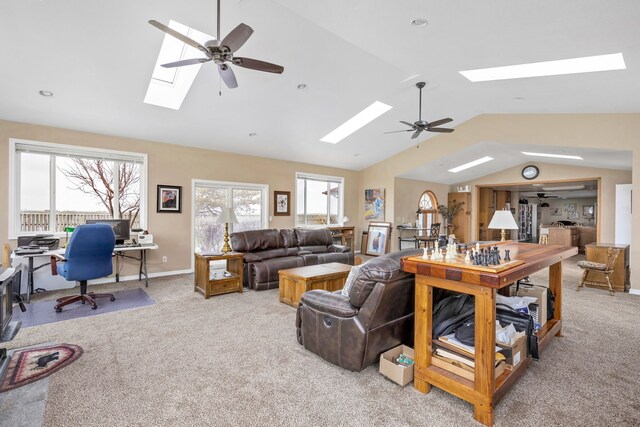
(118, 252)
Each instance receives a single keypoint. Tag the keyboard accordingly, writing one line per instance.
(127, 245)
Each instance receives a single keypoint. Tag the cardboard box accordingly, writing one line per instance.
(538, 309)
(514, 353)
(397, 373)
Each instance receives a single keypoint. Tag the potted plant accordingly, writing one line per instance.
(449, 212)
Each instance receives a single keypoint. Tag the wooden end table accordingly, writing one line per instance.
(296, 281)
(208, 285)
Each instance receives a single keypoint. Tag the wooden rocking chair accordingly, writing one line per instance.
(605, 269)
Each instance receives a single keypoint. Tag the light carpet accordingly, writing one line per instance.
(234, 360)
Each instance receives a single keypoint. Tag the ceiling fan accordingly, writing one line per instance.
(420, 126)
(545, 196)
(221, 52)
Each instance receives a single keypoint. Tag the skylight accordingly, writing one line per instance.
(365, 116)
(471, 164)
(169, 86)
(587, 64)
(557, 156)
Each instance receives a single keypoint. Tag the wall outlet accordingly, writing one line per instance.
(164, 258)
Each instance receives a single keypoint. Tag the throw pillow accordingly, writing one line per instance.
(351, 278)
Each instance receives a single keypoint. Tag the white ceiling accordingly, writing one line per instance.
(97, 58)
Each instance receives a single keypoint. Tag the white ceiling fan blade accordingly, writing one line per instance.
(185, 62)
(228, 76)
(255, 64)
(180, 37)
(237, 37)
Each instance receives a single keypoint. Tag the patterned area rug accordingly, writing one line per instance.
(35, 363)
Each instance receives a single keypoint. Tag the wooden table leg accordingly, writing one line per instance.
(555, 285)
(423, 331)
(485, 344)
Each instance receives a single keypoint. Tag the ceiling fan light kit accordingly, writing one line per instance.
(221, 52)
(421, 125)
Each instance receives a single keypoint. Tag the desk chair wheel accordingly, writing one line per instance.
(112, 299)
(58, 309)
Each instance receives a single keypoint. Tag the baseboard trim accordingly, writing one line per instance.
(135, 276)
(634, 291)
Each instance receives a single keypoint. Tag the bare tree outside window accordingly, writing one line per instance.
(96, 178)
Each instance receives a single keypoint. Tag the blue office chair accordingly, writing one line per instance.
(88, 256)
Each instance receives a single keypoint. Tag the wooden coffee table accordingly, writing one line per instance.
(296, 281)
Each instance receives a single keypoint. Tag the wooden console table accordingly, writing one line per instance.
(483, 284)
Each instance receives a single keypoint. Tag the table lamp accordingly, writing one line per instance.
(503, 220)
(227, 216)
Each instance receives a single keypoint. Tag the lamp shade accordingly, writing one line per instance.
(227, 216)
(503, 220)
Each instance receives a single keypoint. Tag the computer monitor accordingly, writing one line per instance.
(121, 227)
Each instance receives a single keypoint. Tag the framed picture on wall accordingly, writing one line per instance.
(374, 204)
(555, 212)
(282, 203)
(378, 238)
(169, 199)
(587, 211)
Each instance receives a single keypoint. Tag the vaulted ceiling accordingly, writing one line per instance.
(97, 58)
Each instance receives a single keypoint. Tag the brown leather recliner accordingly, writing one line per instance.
(352, 331)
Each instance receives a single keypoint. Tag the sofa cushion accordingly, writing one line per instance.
(386, 268)
(269, 253)
(315, 249)
(289, 238)
(313, 237)
(256, 240)
(341, 257)
(267, 271)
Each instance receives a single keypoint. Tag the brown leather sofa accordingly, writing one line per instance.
(268, 251)
(352, 331)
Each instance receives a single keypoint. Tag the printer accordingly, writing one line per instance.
(39, 241)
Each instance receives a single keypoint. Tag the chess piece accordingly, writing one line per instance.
(477, 247)
(506, 255)
(484, 260)
(425, 255)
(467, 255)
(497, 253)
(472, 254)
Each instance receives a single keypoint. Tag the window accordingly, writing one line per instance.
(319, 199)
(427, 209)
(249, 202)
(57, 186)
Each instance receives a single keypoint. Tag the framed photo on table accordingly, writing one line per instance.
(378, 238)
(282, 203)
(169, 199)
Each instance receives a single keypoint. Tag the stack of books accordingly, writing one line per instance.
(453, 356)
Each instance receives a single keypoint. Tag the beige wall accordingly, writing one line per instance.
(607, 131)
(545, 212)
(177, 165)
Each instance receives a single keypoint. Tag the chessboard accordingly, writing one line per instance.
(459, 262)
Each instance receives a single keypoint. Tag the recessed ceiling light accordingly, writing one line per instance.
(365, 116)
(471, 164)
(356, 155)
(419, 22)
(46, 93)
(252, 134)
(558, 156)
(302, 86)
(587, 64)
